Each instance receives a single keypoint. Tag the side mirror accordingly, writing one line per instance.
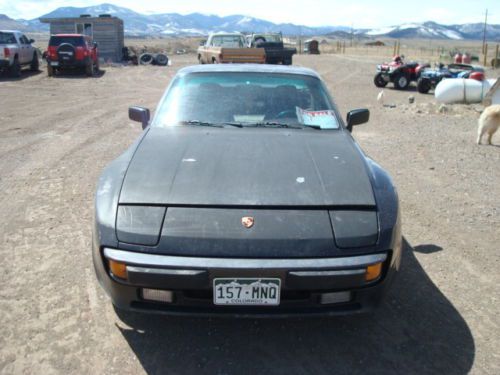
(139, 114)
(32, 41)
(357, 117)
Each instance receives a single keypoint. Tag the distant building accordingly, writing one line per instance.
(376, 43)
(107, 31)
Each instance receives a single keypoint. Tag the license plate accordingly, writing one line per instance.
(54, 63)
(247, 291)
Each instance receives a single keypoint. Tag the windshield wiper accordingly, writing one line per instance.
(270, 124)
(200, 123)
(213, 124)
(235, 124)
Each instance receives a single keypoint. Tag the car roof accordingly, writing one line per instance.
(248, 68)
(69, 35)
(225, 33)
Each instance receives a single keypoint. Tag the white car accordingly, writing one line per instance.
(16, 50)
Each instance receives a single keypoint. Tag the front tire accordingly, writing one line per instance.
(89, 68)
(401, 81)
(35, 65)
(379, 80)
(423, 85)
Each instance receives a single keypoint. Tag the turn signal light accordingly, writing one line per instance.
(118, 269)
(373, 272)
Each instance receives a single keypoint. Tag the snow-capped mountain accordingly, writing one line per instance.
(178, 24)
(202, 24)
(433, 30)
(7, 23)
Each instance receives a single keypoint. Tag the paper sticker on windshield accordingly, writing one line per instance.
(325, 119)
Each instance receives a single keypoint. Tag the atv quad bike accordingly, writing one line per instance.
(429, 78)
(398, 72)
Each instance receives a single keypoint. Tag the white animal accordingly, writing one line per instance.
(380, 97)
(489, 122)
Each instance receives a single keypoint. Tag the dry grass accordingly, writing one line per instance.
(413, 49)
(167, 45)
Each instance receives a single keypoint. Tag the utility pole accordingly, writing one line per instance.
(484, 32)
(352, 33)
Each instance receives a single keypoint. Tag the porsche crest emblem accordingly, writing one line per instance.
(247, 221)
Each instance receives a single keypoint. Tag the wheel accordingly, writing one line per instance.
(96, 66)
(15, 69)
(214, 60)
(146, 59)
(287, 61)
(161, 59)
(401, 81)
(379, 80)
(50, 70)
(423, 85)
(35, 65)
(89, 69)
(200, 60)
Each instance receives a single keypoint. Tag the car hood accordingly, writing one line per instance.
(201, 166)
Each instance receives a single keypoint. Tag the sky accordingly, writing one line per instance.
(355, 13)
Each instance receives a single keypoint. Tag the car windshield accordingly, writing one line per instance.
(270, 38)
(247, 99)
(229, 41)
(73, 40)
(7, 38)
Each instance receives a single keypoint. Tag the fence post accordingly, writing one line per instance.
(496, 58)
(485, 60)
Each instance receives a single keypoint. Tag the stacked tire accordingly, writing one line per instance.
(153, 59)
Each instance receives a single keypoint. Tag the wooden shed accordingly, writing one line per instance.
(107, 31)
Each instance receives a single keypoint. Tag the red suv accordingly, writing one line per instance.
(69, 51)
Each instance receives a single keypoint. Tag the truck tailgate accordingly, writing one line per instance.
(243, 55)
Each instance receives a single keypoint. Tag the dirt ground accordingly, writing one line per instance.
(442, 315)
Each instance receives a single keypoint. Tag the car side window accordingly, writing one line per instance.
(24, 40)
(215, 42)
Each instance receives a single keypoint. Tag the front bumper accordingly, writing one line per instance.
(67, 64)
(190, 279)
(385, 74)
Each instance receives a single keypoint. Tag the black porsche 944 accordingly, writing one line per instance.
(246, 195)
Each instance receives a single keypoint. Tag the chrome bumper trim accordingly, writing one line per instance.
(168, 261)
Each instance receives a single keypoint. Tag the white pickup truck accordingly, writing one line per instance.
(16, 50)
